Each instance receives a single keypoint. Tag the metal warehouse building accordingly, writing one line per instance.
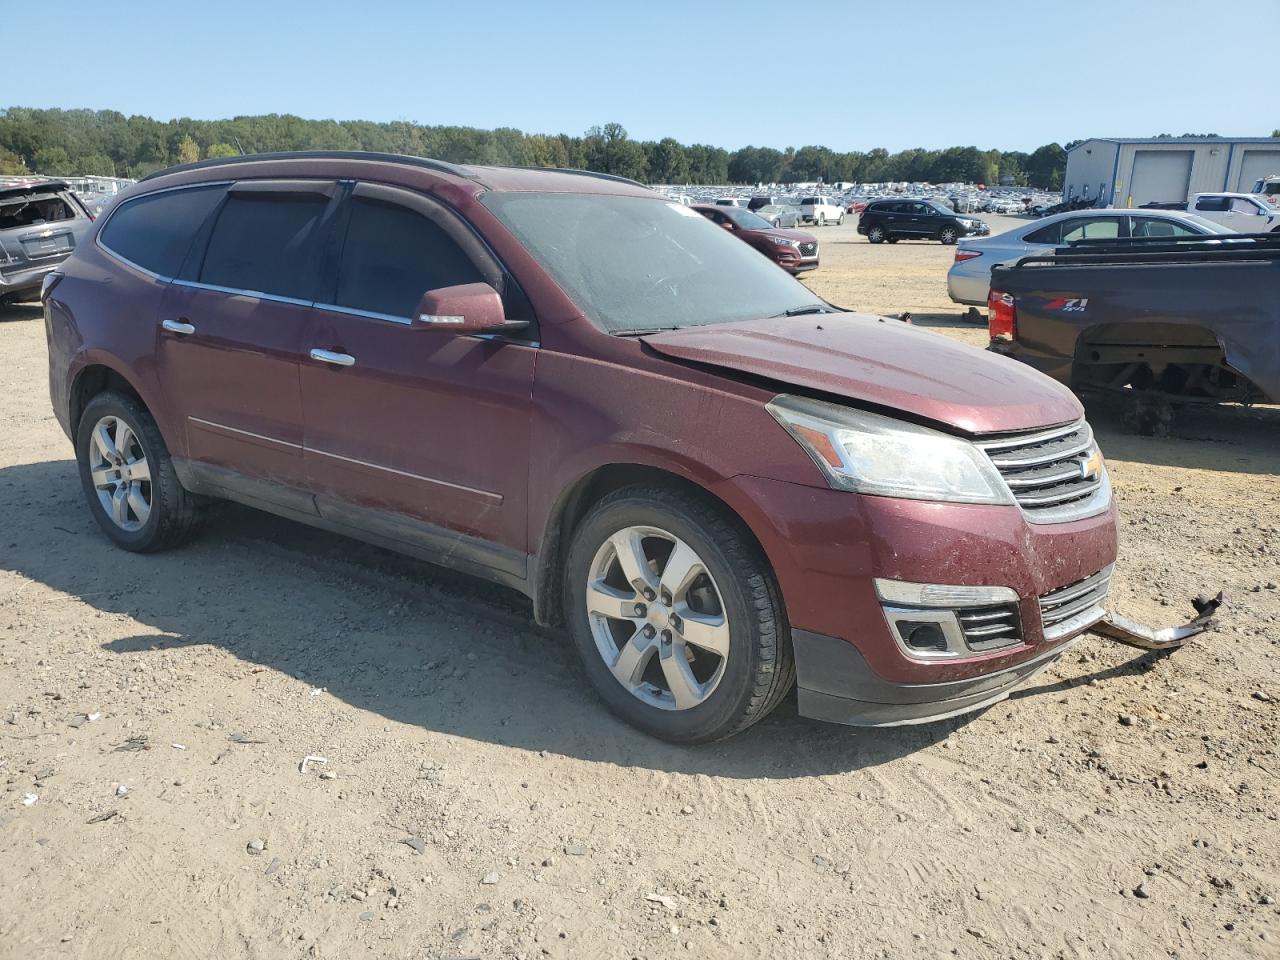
(1131, 172)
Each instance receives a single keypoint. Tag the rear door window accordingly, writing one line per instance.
(1154, 227)
(265, 243)
(392, 256)
(154, 232)
(1096, 228)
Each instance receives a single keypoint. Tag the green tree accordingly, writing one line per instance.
(188, 150)
(10, 163)
(610, 150)
(666, 161)
(53, 160)
(221, 150)
(96, 165)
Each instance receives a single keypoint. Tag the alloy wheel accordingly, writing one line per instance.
(657, 618)
(120, 472)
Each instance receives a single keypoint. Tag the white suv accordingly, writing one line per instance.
(821, 210)
(1242, 212)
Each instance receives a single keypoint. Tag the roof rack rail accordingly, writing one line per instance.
(586, 173)
(426, 162)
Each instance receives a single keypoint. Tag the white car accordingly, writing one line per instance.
(969, 280)
(821, 210)
(1241, 212)
(1268, 187)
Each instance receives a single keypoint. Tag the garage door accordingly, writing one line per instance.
(1160, 176)
(1256, 164)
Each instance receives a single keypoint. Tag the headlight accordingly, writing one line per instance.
(783, 241)
(868, 453)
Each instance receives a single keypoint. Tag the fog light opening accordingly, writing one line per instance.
(924, 637)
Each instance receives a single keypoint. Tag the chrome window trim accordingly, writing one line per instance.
(366, 314)
(403, 473)
(117, 207)
(237, 292)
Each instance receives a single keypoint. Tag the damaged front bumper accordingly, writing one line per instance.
(837, 685)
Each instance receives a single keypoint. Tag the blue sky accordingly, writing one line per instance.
(850, 75)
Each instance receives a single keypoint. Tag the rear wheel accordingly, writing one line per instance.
(676, 616)
(877, 234)
(128, 476)
(948, 235)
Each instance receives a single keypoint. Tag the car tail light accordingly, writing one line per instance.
(1002, 316)
(51, 280)
(963, 255)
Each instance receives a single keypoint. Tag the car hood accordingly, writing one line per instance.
(883, 363)
(800, 236)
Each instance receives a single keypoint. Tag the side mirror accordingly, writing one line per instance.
(465, 308)
(728, 226)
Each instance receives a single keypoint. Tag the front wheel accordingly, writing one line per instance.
(675, 615)
(128, 476)
(948, 235)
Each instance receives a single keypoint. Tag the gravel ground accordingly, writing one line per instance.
(477, 801)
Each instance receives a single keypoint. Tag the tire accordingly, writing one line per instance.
(877, 234)
(948, 235)
(728, 692)
(172, 514)
(840, 221)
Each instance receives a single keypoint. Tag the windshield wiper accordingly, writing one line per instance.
(640, 331)
(801, 311)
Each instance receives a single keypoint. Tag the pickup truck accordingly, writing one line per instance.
(1242, 212)
(1160, 322)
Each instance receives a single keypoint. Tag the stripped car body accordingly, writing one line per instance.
(40, 225)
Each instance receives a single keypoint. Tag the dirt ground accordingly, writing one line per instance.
(478, 801)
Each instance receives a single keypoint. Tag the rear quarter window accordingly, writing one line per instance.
(155, 231)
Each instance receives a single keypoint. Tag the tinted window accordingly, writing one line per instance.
(1213, 204)
(1047, 235)
(1101, 228)
(1151, 227)
(263, 242)
(392, 256)
(155, 231)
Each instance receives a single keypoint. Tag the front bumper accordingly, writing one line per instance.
(835, 684)
(827, 548)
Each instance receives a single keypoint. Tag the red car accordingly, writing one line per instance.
(793, 250)
(719, 484)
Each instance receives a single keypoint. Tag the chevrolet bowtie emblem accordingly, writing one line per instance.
(1091, 468)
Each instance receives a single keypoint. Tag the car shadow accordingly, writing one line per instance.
(409, 641)
(11, 312)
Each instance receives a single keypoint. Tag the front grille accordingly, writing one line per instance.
(1074, 606)
(989, 628)
(1053, 474)
(808, 249)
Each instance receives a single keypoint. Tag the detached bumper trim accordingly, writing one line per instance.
(837, 685)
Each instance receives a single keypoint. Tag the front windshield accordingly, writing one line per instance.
(746, 219)
(636, 264)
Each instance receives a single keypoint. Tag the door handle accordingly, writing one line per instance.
(337, 359)
(178, 326)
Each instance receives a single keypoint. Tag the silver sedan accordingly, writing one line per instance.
(969, 280)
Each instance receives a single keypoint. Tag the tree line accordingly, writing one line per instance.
(107, 143)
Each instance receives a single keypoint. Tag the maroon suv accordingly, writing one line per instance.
(567, 384)
(794, 250)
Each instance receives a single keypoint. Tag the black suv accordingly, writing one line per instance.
(895, 220)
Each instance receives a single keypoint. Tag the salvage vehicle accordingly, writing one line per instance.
(719, 484)
(793, 250)
(969, 279)
(40, 225)
(1160, 322)
(1269, 188)
(781, 215)
(895, 220)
